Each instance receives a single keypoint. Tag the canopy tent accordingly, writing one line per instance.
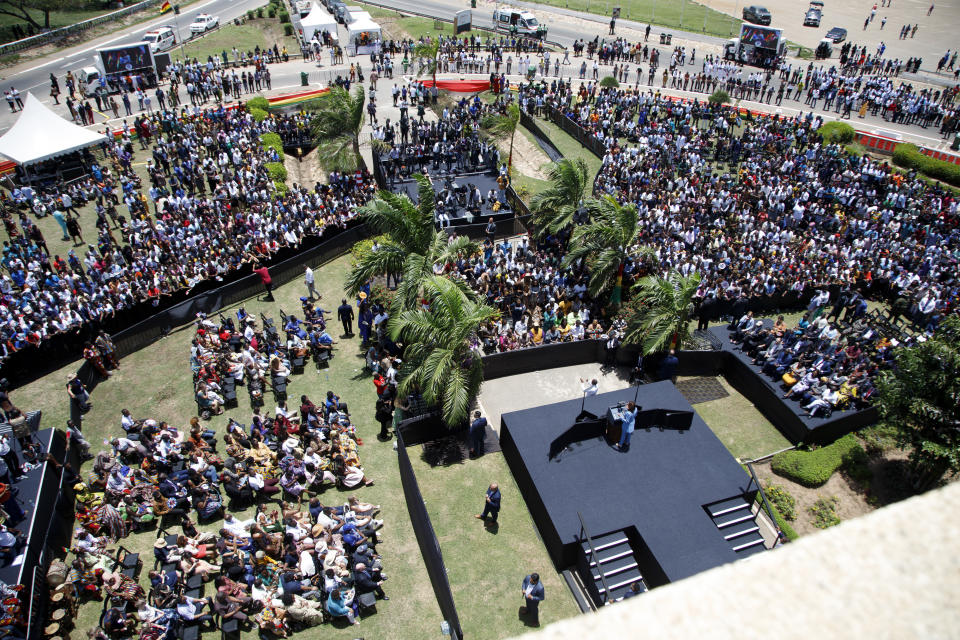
(365, 35)
(39, 134)
(317, 21)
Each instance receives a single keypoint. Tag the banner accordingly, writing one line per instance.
(165, 6)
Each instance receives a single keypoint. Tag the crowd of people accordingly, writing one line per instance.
(210, 210)
(296, 563)
(768, 215)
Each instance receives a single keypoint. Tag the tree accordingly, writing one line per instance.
(920, 398)
(335, 124)
(503, 126)
(662, 311)
(26, 9)
(440, 356)
(555, 207)
(429, 50)
(606, 243)
(412, 246)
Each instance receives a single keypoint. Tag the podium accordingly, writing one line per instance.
(614, 428)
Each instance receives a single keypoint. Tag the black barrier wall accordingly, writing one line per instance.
(427, 539)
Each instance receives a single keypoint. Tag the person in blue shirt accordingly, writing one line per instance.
(533, 594)
(626, 428)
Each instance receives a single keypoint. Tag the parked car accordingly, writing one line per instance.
(161, 38)
(814, 15)
(204, 22)
(756, 15)
(837, 34)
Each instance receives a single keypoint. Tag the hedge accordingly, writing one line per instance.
(609, 81)
(258, 103)
(277, 171)
(814, 468)
(834, 132)
(272, 141)
(719, 97)
(908, 156)
(258, 114)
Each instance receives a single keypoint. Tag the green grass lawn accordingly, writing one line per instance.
(485, 566)
(397, 25)
(679, 14)
(744, 431)
(260, 32)
(156, 382)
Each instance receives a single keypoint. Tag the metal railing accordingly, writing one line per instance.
(585, 534)
(763, 498)
(57, 34)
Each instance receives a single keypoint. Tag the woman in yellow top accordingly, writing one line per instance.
(564, 329)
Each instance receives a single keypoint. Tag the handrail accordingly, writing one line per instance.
(763, 497)
(593, 556)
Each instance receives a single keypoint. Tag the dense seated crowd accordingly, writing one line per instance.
(789, 219)
(211, 209)
(294, 565)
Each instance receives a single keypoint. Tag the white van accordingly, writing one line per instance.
(519, 22)
(161, 38)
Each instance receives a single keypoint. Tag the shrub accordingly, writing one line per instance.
(719, 97)
(824, 512)
(288, 29)
(814, 468)
(259, 12)
(609, 81)
(909, 157)
(379, 294)
(785, 527)
(276, 171)
(837, 132)
(857, 466)
(259, 115)
(272, 12)
(272, 141)
(258, 103)
(250, 14)
(284, 17)
(781, 499)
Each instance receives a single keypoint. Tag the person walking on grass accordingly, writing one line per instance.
(345, 315)
(491, 505)
(265, 278)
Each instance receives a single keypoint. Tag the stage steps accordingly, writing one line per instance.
(737, 524)
(615, 556)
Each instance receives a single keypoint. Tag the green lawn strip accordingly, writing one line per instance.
(485, 568)
(398, 26)
(156, 382)
(261, 32)
(678, 14)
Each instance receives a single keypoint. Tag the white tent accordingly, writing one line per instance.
(317, 21)
(368, 27)
(39, 134)
(353, 16)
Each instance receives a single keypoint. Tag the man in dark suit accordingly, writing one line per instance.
(345, 315)
(492, 504)
(668, 368)
(533, 594)
(365, 583)
(478, 433)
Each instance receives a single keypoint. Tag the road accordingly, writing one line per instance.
(36, 78)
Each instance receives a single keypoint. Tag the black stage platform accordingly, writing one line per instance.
(786, 414)
(456, 208)
(658, 492)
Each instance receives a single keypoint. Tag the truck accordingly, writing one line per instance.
(757, 46)
(126, 67)
(518, 22)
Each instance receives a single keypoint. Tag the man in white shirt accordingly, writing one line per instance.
(308, 280)
(239, 528)
(589, 389)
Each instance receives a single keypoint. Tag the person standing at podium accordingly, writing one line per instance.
(626, 427)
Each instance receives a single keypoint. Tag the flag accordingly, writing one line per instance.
(165, 6)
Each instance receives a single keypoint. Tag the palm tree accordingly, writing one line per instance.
(607, 242)
(664, 305)
(412, 246)
(431, 51)
(440, 358)
(556, 206)
(335, 124)
(504, 125)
